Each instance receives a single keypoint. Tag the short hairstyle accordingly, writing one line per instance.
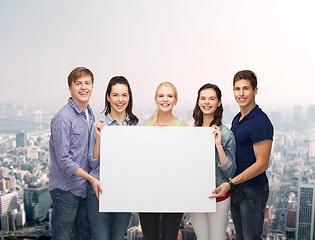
(79, 72)
(246, 75)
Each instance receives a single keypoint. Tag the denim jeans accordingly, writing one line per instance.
(247, 209)
(69, 211)
(105, 226)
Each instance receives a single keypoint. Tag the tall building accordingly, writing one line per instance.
(311, 114)
(12, 220)
(32, 153)
(134, 220)
(3, 185)
(297, 123)
(132, 233)
(8, 202)
(4, 219)
(290, 223)
(276, 120)
(4, 172)
(37, 203)
(311, 149)
(39, 120)
(305, 213)
(20, 139)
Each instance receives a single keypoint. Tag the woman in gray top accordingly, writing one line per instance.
(208, 113)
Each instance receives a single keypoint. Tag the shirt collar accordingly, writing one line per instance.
(76, 107)
(251, 114)
(110, 121)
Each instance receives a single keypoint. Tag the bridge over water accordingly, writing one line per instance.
(23, 121)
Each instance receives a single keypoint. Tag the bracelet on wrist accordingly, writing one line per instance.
(229, 181)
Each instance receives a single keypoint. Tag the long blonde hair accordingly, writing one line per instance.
(154, 119)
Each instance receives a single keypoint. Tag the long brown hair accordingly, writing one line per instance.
(198, 115)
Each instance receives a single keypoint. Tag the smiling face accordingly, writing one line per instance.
(81, 90)
(118, 98)
(165, 98)
(208, 101)
(244, 94)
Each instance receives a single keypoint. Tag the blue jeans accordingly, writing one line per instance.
(69, 211)
(247, 209)
(105, 226)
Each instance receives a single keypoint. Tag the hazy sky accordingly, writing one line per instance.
(186, 42)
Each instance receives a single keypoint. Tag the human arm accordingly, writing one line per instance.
(66, 137)
(95, 161)
(97, 129)
(95, 182)
(61, 138)
(225, 145)
(218, 144)
(262, 152)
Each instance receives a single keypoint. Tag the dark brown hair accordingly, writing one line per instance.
(198, 115)
(246, 75)
(120, 80)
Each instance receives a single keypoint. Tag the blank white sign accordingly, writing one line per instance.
(157, 169)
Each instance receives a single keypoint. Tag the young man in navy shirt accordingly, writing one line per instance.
(253, 134)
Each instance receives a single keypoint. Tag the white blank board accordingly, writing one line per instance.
(157, 169)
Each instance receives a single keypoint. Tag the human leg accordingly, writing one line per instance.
(252, 208)
(236, 213)
(119, 225)
(82, 226)
(201, 225)
(150, 224)
(65, 207)
(218, 220)
(100, 222)
(170, 225)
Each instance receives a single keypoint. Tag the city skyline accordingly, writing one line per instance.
(24, 170)
(187, 43)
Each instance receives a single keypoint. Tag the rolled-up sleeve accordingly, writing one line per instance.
(228, 168)
(61, 132)
(94, 162)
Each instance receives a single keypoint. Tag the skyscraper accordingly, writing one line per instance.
(306, 209)
(37, 203)
(8, 202)
(311, 114)
(21, 139)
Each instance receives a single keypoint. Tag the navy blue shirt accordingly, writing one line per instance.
(253, 128)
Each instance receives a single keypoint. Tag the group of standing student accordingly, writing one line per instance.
(240, 162)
